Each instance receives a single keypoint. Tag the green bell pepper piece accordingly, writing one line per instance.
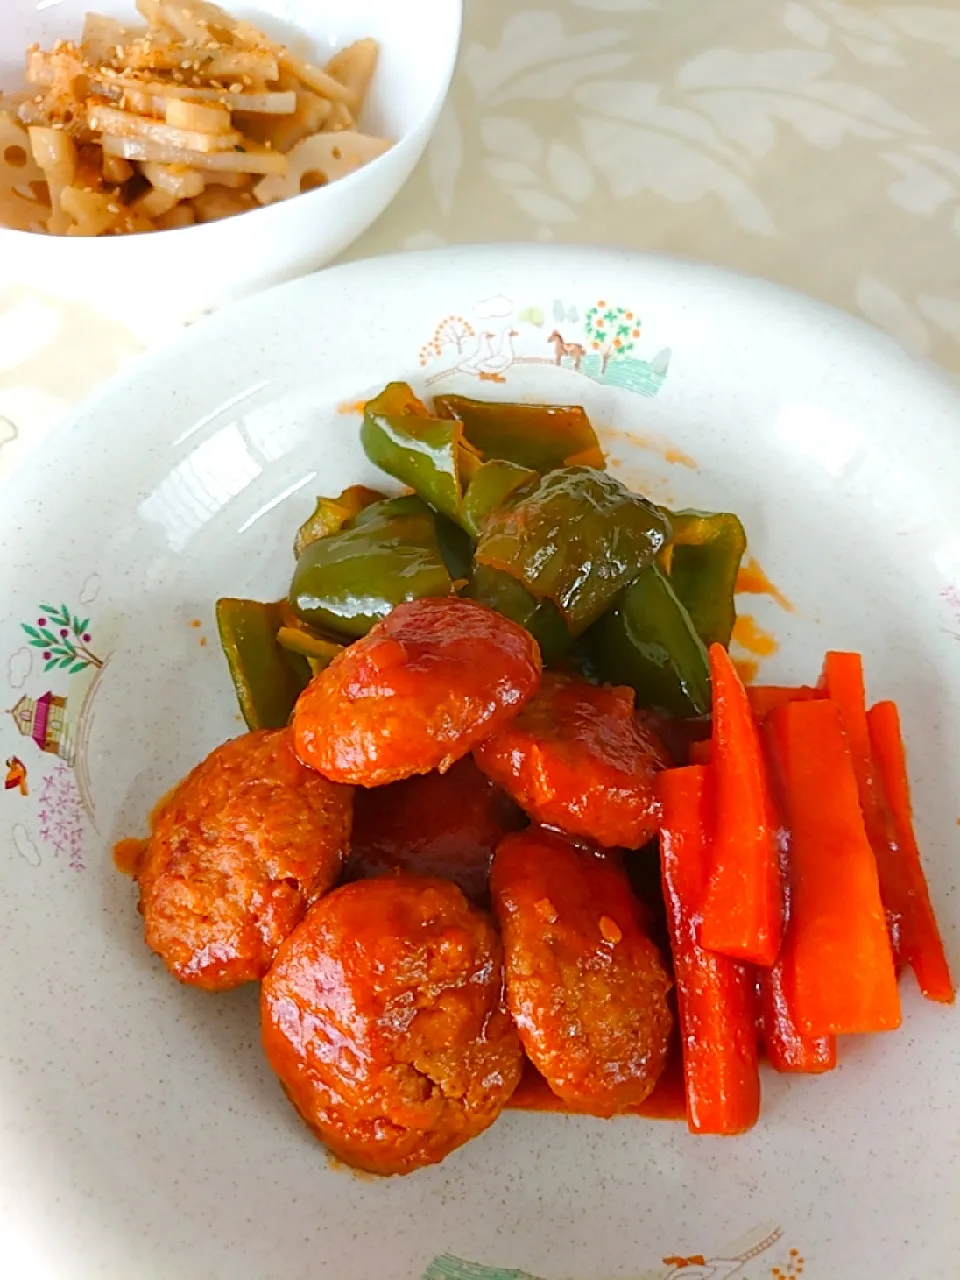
(541, 618)
(456, 549)
(577, 539)
(268, 680)
(540, 436)
(492, 485)
(331, 514)
(703, 561)
(648, 641)
(387, 554)
(428, 454)
(318, 651)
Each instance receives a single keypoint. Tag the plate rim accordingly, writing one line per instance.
(779, 298)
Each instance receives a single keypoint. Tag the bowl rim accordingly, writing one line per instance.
(434, 107)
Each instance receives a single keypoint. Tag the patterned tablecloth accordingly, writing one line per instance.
(815, 143)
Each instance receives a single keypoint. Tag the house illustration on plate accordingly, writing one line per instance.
(43, 720)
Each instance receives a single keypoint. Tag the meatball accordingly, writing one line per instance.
(585, 985)
(578, 757)
(441, 824)
(384, 1018)
(416, 693)
(237, 853)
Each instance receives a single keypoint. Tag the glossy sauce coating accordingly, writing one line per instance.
(238, 851)
(585, 985)
(384, 1018)
(416, 693)
(442, 824)
(579, 758)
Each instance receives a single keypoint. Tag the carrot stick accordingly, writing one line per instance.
(842, 681)
(741, 912)
(920, 941)
(788, 1049)
(765, 698)
(715, 996)
(838, 970)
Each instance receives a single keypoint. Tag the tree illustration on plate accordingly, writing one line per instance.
(64, 639)
(612, 331)
(451, 331)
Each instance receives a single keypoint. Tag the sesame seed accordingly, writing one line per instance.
(185, 65)
(113, 208)
(236, 87)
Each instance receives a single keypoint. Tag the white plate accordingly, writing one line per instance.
(142, 1134)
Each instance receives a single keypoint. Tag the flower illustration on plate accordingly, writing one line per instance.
(60, 816)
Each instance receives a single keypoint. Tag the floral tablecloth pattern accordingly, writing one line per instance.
(812, 142)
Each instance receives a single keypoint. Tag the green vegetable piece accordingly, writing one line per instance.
(648, 641)
(267, 680)
(456, 548)
(387, 554)
(318, 651)
(331, 514)
(540, 436)
(425, 453)
(541, 618)
(492, 485)
(703, 561)
(577, 539)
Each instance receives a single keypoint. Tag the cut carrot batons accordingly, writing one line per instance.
(715, 995)
(765, 698)
(921, 945)
(837, 966)
(742, 908)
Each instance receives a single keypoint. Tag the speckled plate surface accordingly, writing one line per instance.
(141, 1134)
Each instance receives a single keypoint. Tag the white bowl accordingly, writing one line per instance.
(142, 1135)
(177, 274)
